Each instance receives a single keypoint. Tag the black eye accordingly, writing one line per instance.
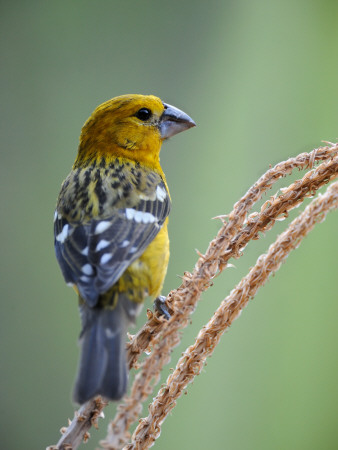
(143, 114)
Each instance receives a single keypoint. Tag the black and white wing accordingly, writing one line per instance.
(94, 255)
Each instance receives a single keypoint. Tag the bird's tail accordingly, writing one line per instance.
(102, 368)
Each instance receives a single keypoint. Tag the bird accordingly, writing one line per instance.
(111, 231)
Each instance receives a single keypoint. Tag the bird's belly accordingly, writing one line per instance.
(145, 276)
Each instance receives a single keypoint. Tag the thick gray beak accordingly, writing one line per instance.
(173, 121)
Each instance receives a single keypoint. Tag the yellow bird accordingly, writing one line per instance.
(110, 227)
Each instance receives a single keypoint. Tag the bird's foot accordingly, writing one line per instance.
(161, 307)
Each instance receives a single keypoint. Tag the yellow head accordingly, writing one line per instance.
(131, 127)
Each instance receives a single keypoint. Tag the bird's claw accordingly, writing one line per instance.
(161, 307)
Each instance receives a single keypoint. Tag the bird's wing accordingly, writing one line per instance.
(94, 255)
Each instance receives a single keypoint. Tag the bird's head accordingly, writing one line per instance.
(131, 127)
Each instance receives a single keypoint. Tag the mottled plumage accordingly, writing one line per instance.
(110, 227)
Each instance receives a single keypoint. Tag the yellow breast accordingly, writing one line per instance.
(145, 276)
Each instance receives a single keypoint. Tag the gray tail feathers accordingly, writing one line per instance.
(102, 369)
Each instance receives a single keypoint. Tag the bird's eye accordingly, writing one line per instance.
(143, 114)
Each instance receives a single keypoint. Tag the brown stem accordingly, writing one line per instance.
(231, 238)
(220, 250)
(77, 431)
(193, 359)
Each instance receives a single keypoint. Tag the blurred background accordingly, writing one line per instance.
(260, 80)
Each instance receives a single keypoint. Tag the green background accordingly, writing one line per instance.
(260, 78)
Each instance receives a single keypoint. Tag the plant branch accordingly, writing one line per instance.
(182, 301)
(230, 240)
(77, 431)
(185, 297)
(193, 359)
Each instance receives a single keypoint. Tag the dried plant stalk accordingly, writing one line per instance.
(185, 300)
(192, 361)
(129, 411)
(182, 301)
(77, 431)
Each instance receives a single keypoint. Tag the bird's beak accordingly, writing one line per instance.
(173, 121)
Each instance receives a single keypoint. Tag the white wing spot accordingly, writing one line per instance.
(87, 269)
(70, 284)
(133, 250)
(105, 258)
(102, 244)
(110, 333)
(84, 278)
(61, 237)
(140, 216)
(130, 213)
(125, 243)
(160, 193)
(85, 251)
(102, 226)
(57, 215)
(148, 218)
